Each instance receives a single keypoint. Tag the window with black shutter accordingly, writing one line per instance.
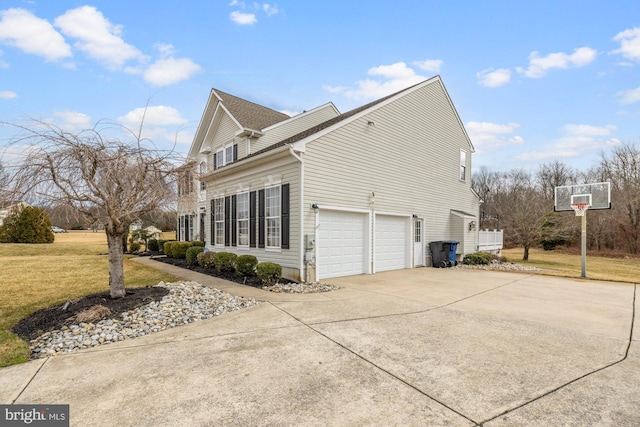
(284, 210)
(252, 219)
(234, 218)
(227, 218)
(261, 218)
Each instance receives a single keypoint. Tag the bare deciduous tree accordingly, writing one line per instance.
(112, 183)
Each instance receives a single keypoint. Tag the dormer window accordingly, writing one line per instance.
(225, 155)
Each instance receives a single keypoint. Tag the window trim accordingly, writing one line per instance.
(243, 213)
(220, 155)
(274, 218)
(218, 209)
(463, 166)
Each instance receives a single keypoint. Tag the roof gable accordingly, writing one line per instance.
(249, 114)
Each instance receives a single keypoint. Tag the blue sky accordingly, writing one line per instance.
(533, 81)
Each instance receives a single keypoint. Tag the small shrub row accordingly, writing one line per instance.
(178, 250)
(192, 254)
(153, 245)
(244, 265)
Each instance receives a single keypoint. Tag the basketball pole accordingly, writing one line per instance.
(583, 222)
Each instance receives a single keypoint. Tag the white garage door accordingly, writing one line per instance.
(342, 244)
(391, 247)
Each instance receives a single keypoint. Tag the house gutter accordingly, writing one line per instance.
(303, 263)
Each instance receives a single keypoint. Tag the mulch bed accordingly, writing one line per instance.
(231, 276)
(54, 318)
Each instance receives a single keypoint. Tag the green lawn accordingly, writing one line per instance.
(40, 276)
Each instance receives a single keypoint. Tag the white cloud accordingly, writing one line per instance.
(540, 65)
(97, 37)
(72, 121)
(270, 9)
(577, 140)
(487, 136)
(168, 70)
(391, 78)
(494, 78)
(21, 29)
(157, 119)
(290, 113)
(7, 94)
(629, 44)
(243, 18)
(630, 96)
(431, 65)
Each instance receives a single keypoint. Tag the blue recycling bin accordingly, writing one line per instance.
(450, 247)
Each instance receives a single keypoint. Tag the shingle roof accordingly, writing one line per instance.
(249, 114)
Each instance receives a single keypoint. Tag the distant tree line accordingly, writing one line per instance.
(521, 203)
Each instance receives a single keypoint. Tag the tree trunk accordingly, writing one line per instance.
(525, 256)
(116, 265)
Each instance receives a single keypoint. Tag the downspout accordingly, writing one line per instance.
(304, 264)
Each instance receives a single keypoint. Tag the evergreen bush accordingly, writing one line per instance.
(205, 259)
(168, 248)
(26, 225)
(197, 243)
(179, 249)
(192, 254)
(224, 261)
(477, 258)
(269, 272)
(153, 245)
(246, 265)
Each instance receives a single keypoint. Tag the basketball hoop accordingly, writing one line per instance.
(580, 208)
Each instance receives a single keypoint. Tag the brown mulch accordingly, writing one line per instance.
(53, 318)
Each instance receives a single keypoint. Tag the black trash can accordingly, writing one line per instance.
(439, 257)
(450, 247)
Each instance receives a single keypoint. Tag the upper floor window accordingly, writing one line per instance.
(225, 155)
(463, 165)
(203, 171)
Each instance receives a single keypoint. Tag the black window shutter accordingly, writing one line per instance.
(179, 223)
(284, 211)
(261, 209)
(234, 228)
(227, 220)
(215, 161)
(213, 222)
(235, 152)
(252, 219)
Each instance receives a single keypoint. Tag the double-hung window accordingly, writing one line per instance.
(272, 216)
(242, 202)
(463, 165)
(219, 221)
(225, 155)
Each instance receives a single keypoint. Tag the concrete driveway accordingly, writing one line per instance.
(423, 347)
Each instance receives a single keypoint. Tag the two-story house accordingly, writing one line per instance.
(327, 194)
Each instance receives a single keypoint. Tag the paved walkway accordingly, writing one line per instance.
(423, 347)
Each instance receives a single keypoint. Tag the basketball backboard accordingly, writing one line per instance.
(597, 195)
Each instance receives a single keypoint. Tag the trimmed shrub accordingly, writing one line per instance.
(269, 272)
(134, 246)
(26, 225)
(161, 244)
(153, 245)
(179, 249)
(168, 248)
(192, 254)
(246, 265)
(197, 243)
(205, 259)
(477, 258)
(225, 261)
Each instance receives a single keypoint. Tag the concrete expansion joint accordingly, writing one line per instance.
(376, 366)
(588, 374)
(30, 380)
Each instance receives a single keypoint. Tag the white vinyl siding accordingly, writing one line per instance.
(293, 126)
(344, 167)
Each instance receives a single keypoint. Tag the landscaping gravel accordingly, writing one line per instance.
(500, 266)
(186, 302)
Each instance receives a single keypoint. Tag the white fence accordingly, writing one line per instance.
(490, 240)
